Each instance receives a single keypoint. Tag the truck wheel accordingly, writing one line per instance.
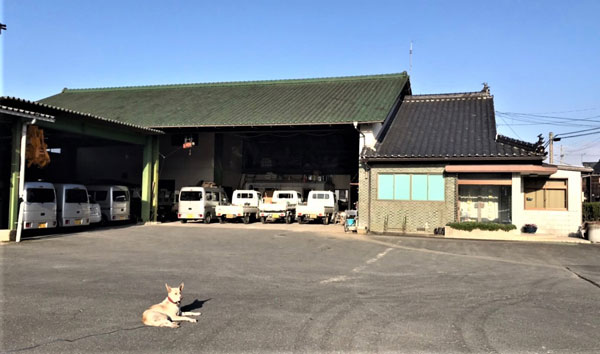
(263, 219)
(207, 218)
(183, 221)
(288, 219)
(222, 220)
(326, 220)
(246, 219)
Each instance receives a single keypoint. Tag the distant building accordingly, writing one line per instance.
(591, 182)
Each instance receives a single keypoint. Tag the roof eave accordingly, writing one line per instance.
(450, 159)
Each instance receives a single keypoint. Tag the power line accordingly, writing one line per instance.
(579, 131)
(544, 118)
(511, 128)
(574, 136)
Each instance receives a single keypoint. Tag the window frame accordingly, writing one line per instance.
(410, 187)
(545, 187)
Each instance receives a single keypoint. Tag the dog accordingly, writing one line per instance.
(167, 312)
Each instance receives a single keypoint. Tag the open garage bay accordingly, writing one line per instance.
(297, 288)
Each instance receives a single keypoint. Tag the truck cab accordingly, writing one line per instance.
(320, 205)
(244, 205)
(282, 207)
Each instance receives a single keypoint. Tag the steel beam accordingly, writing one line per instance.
(94, 129)
(155, 177)
(147, 179)
(15, 162)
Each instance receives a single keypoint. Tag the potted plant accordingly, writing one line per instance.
(529, 228)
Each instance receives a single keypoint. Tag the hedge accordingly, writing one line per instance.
(591, 211)
(471, 225)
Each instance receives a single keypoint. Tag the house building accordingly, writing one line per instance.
(591, 182)
(440, 160)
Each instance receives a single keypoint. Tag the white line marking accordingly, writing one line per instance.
(358, 269)
(335, 279)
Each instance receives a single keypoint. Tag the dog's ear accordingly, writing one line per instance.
(181, 286)
(168, 287)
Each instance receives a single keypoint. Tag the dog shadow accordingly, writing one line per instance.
(197, 304)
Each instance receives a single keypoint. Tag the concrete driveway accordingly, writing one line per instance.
(298, 288)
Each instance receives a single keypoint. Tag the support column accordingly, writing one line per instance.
(155, 178)
(15, 162)
(147, 179)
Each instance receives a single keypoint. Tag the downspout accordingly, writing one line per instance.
(368, 169)
(22, 179)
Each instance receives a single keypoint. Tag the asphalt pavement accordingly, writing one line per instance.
(297, 288)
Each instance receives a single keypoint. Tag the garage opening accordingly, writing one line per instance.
(265, 159)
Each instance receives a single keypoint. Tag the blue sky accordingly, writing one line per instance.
(539, 57)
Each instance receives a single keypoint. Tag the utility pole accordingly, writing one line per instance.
(551, 147)
(561, 154)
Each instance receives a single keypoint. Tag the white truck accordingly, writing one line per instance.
(199, 203)
(39, 205)
(244, 205)
(282, 207)
(319, 205)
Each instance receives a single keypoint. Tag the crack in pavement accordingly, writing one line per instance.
(73, 340)
(583, 278)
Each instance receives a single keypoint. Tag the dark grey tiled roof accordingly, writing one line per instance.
(593, 165)
(459, 126)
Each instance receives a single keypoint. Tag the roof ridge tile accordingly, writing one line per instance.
(244, 83)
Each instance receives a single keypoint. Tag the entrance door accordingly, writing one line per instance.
(485, 203)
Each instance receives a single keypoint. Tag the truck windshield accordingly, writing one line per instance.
(76, 196)
(190, 195)
(285, 196)
(40, 195)
(120, 196)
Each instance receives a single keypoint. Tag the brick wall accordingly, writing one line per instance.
(403, 216)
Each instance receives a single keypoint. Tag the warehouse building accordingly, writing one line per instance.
(289, 134)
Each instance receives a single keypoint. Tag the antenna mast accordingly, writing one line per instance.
(410, 60)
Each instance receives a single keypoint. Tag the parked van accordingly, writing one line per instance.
(199, 203)
(72, 205)
(39, 205)
(114, 201)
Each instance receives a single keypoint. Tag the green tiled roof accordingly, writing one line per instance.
(251, 103)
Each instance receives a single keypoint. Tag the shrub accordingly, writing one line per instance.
(486, 226)
(591, 211)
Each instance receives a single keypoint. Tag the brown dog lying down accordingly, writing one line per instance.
(167, 312)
